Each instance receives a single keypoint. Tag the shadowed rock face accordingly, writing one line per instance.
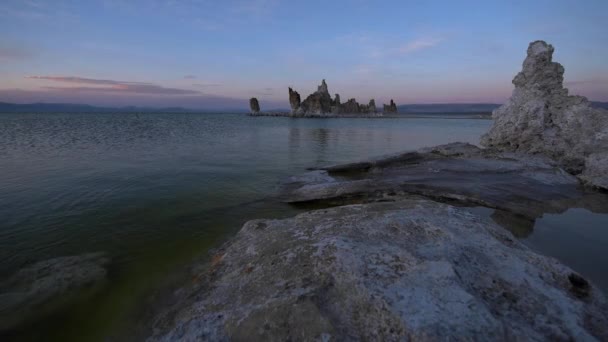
(390, 108)
(409, 270)
(294, 100)
(337, 100)
(319, 102)
(254, 105)
(540, 117)
(371, 107)
(350, 106)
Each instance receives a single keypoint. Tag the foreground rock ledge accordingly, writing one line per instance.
(520, 187)
(412, 269)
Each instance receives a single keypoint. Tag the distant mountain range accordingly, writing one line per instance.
(80, 108)
(462, 107)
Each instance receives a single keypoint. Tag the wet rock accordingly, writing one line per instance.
(254, 105)
(526, 186)
(30, 291)
(541, 118)
(390, 108)
(408, 270)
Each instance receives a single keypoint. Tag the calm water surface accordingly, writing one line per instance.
(154, 191)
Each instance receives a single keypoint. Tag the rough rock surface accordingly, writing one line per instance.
(254, 105)
(337, 100)
(390, 108)
(371, 107)
(410, 270)
(350, 106)
(516, 185)
(53, 281)
(294, 101)
(320, 104)
(540, 117)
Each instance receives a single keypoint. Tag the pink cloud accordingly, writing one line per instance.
(119, 99)
(110, 86)
(81, 80)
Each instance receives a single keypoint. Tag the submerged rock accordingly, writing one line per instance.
(541, 118)
(254, 105)
(27, 293)
(409, 270)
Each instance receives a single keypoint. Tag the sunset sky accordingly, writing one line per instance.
(217, 54)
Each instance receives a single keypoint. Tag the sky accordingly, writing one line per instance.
(217, 54)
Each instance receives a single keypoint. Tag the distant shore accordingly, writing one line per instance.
(485, 116)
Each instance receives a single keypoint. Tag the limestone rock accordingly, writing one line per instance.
(350, 106)
(337, 100)
(409, 270)
(294, 100)
(254, 105)
(540, 117)
(390, 108)
(371, 107)
(322, 88)
(50, 282)
(319, 102)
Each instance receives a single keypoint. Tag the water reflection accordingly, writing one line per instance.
(154, 190)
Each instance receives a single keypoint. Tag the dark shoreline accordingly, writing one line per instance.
(483, 116)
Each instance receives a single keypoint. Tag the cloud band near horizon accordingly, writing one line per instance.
(112, 86)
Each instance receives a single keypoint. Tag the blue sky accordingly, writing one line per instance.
(214, 54)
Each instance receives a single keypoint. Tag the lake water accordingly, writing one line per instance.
(154, 191)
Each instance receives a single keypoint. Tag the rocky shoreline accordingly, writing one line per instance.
(392, 255)
(390, 251)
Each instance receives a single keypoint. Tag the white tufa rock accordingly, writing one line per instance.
(540, 117)
(403, 271)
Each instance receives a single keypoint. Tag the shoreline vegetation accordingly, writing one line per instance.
(391, 253)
